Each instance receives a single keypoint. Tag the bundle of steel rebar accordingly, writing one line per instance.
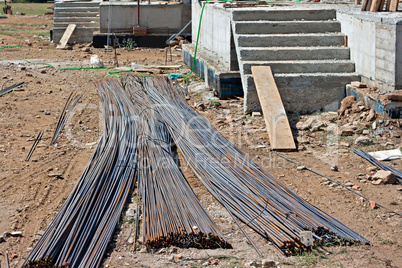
(34, 145)
(80, 232)
(65, 113)
(11, 88)
(247, 192)
(378, 164)
(172, 214)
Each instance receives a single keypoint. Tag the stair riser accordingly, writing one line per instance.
(304, 94)
(290, 41)
(77, 14)
(330, 67)
(281, 15)
(76, 9)
(73, 20)
(79, 35)
(79, 24)
(286, 27)
(295, 54)
(77, 4)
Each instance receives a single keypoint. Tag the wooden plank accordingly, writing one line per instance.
(375, 5)
(381, 5)
(369, 5)
(66, 36)
(280, 134)
(394, 5)
(387, 4)
(364, 5)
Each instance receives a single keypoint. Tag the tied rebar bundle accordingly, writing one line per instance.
(80, 232)
(363, 154)
(247, 191)
(172, 214)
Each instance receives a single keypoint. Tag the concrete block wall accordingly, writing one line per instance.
(124, 16)
(215, 34)
(375, 41)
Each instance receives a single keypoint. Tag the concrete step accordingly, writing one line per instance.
(286, 27)
(291, 40)
(77, 4)
(78, 14)
(304, 93)
(79, 24)
(80, 35)
(293, 53)
(280, 15)
(77, 19)
(308, 66)
(76, 9)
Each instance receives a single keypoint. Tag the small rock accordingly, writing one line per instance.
(43, 71)
(345, 144)
(130, 240)
(256, 114)
(371, 116)
(366, 132)
(346, 104)
(301, 168)
(373, 204)
(362, 140)
(377, 182)
(131, 213)
(399, 189)
(178, 257)
(200, 106)
(268, 264)
(47, 113)
(374, 125)
(386, 176)
(13, 256)
(395, 135)
(55, 175)
(389, 144)
(85, 49)
(205, 263)
(356, 188)
(212, 261)
(349, 184)
(334, 168)
(250, 264)
(347, 130)
(16, 234)
(161, 251)
(371, 169)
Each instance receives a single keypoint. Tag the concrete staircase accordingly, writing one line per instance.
(305, 50)
(85, 14)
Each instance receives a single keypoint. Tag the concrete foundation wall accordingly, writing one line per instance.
(375, 44)
(124, 16)
(215, 33)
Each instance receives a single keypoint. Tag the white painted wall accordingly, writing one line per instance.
(375, 42)
(215, 31)
(154, 15)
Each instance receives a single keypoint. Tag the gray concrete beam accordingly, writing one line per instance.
(294, 53)
(281, 15)
(286, 27)
(291, 40)
(328, 66)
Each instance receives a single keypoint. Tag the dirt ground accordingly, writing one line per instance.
(32, 192)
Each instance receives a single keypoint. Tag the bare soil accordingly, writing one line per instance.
(30, 194)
